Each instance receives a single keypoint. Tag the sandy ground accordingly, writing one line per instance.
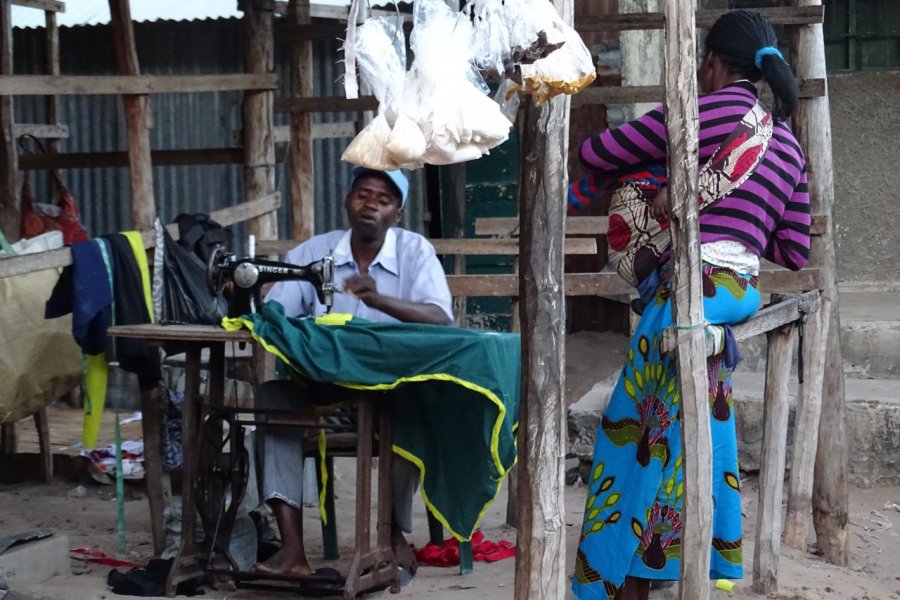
(89, 521)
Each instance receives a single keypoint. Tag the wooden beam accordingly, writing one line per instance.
(159, 158)
(509, 226)
(305, 31)
(137, 118)
(40, 130)
(705, 18)
(257, 113)
(790, 310)
(10, 203)
(809, 88)
(302, 157)
(812, 126)
(452, 246)
(43, 85)
(504, 247)
(56, 259)
(320, 131)
(767, 547)
(326, 104)
(610, 284)
(47, 5)
(687, 298)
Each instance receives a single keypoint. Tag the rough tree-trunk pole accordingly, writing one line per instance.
(682, 122)
(543, 178)
(10, 214)
(258, 113)
(137, 119)
(51, 47)
(301, 156)
(541, 539)
(812, 125)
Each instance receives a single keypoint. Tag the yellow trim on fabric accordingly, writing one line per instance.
(434, 511)
(96, 380)
(501, 409)
(495, 433)
(323, 468)
(140, 256)
(334, 319)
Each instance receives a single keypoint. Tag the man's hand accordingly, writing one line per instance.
(659, 207)
(364, 288)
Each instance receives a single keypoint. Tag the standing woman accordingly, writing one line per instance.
(632, 530)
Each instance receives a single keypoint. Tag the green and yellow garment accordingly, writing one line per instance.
(454, 396)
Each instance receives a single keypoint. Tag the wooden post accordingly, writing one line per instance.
(137, 118)
(774, 447)
(812, 125)
(458, 216)
(10, 214)
(51, 45)
(682, 121)
(258, 113)
(806, 430)
(301, 155)
(541, 570)
(540, 558)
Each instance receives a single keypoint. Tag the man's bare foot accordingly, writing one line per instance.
(402, 551)
(287, 561)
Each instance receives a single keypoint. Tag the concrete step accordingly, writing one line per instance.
(873, 424)
(870, 336)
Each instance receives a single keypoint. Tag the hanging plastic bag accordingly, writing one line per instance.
(567, 70)
(528, 42)
(445, 93)
(186, 296)
(61, 213)
(369, 147)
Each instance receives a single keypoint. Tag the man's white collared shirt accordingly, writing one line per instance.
(406, 268)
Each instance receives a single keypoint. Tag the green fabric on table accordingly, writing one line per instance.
(455, 398)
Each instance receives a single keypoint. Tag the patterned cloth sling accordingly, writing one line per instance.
(636, 240)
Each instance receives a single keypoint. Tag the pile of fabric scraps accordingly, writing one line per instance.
(104, 459)
(447, 554)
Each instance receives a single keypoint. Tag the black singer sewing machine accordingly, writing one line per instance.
(250, 274)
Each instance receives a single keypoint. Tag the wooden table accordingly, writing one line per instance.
(370, 566)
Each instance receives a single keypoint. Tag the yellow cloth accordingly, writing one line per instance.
(95, 381)
(140, 256)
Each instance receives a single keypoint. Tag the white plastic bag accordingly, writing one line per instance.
(444, 93)
(567, 70)
(381, 55)
(369, 147)
(406, 143)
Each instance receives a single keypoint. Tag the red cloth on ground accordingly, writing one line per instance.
(447, 555)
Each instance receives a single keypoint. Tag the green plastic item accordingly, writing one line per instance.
(5, 245)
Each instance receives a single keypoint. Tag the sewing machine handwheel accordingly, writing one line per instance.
(215, 278)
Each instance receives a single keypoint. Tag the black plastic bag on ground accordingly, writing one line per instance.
(186, 296)
(149, 581)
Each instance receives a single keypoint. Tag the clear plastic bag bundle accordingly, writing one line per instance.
(528, 42)
(439, 111)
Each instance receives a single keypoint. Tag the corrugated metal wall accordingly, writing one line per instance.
(181, 121)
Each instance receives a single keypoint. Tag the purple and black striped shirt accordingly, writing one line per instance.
(769, 213)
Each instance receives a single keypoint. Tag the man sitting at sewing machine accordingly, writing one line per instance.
(386, 274)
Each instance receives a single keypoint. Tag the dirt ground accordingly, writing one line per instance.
(89, 521)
